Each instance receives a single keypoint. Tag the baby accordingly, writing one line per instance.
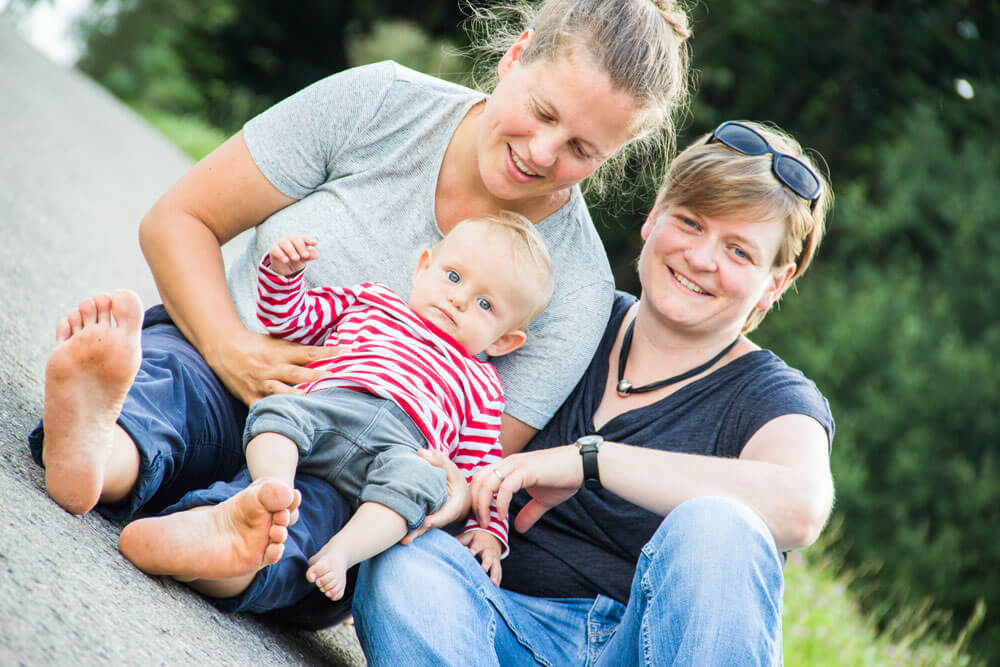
(404, 377)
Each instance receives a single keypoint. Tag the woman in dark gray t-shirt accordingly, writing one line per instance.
(678, 416)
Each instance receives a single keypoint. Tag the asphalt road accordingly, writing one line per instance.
(77, 172)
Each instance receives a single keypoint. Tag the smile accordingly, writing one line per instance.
(523, 168)
(687, 283)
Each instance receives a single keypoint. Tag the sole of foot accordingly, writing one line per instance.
(234, 538)
(87, 376)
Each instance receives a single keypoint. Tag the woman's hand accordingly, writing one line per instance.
(489, 548)
(457, 505)
(550, 476)
(253, 365)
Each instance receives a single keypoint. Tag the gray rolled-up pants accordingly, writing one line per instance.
(364, 445)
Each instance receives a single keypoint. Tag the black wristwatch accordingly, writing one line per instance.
(589, 446)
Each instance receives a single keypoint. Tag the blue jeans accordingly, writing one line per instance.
(707, 591)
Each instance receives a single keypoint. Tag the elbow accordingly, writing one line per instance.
(804, 529)
(148, 228)
(806, 523)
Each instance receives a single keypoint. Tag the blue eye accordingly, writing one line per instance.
(740, 253)
(485, 304)
(453, 276)
(687, 222)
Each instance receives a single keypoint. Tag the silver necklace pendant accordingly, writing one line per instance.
(624, 388)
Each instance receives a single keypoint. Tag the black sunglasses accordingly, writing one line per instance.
(793, 172)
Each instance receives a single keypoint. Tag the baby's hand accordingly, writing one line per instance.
(488, 547)
(291, 254)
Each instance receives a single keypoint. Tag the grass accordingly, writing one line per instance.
(823, 621)
(824, 624)
(192, 135)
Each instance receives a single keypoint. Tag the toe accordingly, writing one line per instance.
(275, 496)
(277, 534)
(126, 306)
(88, 312)
(281, 518)
(63, 330)
(102, 306)
(273, 554)
(75, 320)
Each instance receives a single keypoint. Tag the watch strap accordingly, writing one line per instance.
(589, 446)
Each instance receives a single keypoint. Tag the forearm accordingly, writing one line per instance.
(515, 434)
(792, 502)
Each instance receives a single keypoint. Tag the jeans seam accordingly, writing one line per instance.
(519, 636)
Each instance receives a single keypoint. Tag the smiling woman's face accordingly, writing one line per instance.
(548, 125)
(707, 274)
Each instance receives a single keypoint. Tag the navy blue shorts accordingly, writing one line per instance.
(188, 429)
(186, 425)
(282, 588)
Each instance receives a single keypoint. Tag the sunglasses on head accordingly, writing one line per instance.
(795, 174)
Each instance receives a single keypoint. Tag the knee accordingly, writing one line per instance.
(408, 581)
(716, 534)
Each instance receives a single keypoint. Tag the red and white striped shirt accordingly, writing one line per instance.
(388, 350)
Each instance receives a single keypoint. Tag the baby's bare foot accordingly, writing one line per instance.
(328, 570)
(86, 379)
(231, 539)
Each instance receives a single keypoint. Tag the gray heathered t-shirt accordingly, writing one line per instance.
(361, 151)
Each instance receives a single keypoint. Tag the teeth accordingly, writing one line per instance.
(521, 165)
(687, 283)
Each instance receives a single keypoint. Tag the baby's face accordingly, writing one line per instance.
(471, 288)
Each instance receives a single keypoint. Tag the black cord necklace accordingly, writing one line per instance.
(625, 387)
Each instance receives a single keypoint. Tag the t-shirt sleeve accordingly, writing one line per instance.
(539, 377)
(295, 143)
(782, 392)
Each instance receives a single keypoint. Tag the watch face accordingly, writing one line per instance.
(590, 440)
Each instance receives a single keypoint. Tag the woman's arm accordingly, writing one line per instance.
(783, 474)
(514, 434)
(181, 236)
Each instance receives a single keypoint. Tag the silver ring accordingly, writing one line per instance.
(496, 471)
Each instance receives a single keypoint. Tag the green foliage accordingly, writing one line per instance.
(900, 331)
(408, 44)
(227, 60)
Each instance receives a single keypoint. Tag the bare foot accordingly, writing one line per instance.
(328, 570)
(231, 539)
(86, 379)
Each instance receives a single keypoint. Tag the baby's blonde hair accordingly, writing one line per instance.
(529, 252)
(716, 181)
(640, 44)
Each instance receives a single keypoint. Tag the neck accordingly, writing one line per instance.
(660, 351)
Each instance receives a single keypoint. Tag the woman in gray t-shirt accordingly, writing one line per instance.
(377, 163)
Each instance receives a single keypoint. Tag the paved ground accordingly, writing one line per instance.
(77, 171)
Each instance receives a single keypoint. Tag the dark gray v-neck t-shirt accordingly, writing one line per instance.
(590, 544)
(361, 151)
